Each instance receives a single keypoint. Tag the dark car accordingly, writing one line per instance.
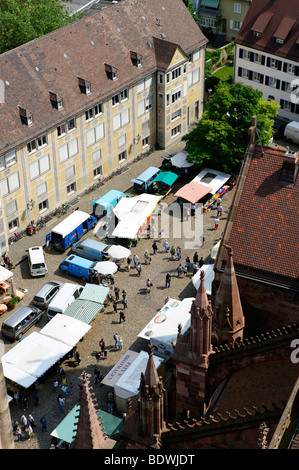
(46, 293)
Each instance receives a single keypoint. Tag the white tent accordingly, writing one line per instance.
(163, 328)
(118, 252)
(180, 160)
(106, 267)
(36, 353)
(209, 277)
(120, 367)
(132, 214)
(67, 329)
(32, 357)
(128, 384)
(211, 178)
(5, 274)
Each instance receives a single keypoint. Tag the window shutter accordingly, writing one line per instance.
(268, 61)
(241, 53)
(125, 117)
(90, 137)
(239, 71)
(100, 132)
(140, 86)
(73, 147)
(140, 108)
(14, 182)
(266, 80)
(285, 66)
(278, 64)
(116, 122)
(277, 84)
(41, 189)
(96, 156)
(263, 60)
(148, 82)
(34, 170)
(63, 154)
(231, 24)
(4, 187)
(44, 164)
(261, 78)
(296, 71)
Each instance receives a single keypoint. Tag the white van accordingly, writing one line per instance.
(292, 131)
(65, 296)
(36, 261)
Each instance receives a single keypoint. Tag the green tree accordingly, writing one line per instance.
(190, 7)
(221, 137)
(22, 21)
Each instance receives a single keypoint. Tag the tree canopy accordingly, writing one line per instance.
(221, 137)
(22, 21)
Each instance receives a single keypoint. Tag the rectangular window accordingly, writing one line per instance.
(13, 225)
(272, 82)
(176, 73)
(246, 54)
(160, 100)
(196, 55)
(207, 22)
(8, 159)
(291, 68)
(256, 77)
(39, 167)
(245, 73)
(145, 84)
(97, 172)
(70, 189)
(121, 140)
(96, 156)
(37, 143)
(286, 105)
(193, 77)
(237, 7)
(122, 156)
(145, 126)
(145, 142)
(41, 189)
(93, 112)
(11, 207)
(71, 124)
(257, 58)
(61, 130)
(43, 206)
(176, 131)
(120, 119)
(10, 184)
(168, 78)
(69, 172)
(176, 95)
(176, 115)
(167, 99)
(160, 78)
(68, 150)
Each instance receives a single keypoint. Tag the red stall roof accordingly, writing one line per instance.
(193, 191)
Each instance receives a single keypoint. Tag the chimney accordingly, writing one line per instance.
(289, 169)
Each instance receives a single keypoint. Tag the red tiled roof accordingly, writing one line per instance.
(264, 234)
(273, 19)
(263, 383)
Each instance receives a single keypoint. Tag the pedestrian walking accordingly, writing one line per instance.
(55, 385)
(129, 261)
(122, 316)
(201, 262)
(31, 421)
(64, 390)
(166, 246)
(185, 270)
(98, 357)
(179, 270)
(167, 280)
(43, 421)
(124, 293)
(115, 337)
(219, 201)
(179, 252)
(155, 248)
(172, 252)
(61, 401)
(102, 344)
(24, 421)
(219, 210)
(167, 299)
(195, 257)
(77, 357)
(115, 306)
(28, 432)
(195, 268)
(120, 343)
(105, 353)
(19, 434)
(71, 388)
(135, 259)
(147, 257)
(116, 292)
(188, 262)
(139, 269)
(125, 302)
(216, 223)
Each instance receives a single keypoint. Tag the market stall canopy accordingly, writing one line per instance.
(65, 329)
(212, 179)
(133, 214)
(106, 267)
(66, 429)
(193, 192)
(166, 177)
(162, 330)
(118, 252)
(179, 159)
(214, 250)
(120, 367)
(146, 175)
(208, 280)
(5, 274)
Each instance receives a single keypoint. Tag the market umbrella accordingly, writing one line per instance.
(106, 267)
(118, 252)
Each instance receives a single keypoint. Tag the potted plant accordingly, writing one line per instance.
(13, 302)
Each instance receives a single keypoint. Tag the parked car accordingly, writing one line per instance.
(20, 321)
(36, 261)
(91, 249)
(278, 128)
(46, 293)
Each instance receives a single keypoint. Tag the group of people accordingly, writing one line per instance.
(24, 430)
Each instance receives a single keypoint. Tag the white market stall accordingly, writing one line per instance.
(208, 280)
(133, 215)
(128, 384)
(36, 353)
(162, 330)
(120, 367)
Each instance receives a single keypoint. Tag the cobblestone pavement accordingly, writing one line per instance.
(141, 306)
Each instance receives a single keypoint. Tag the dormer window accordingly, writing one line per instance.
(26, 116)
(111, 72)
(56, 100)
(84, 85)
(136, 59)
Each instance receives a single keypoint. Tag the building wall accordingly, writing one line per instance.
(271, 75)
(67, 159)
(233, 14)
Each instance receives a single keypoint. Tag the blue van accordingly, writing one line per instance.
(77, 266)
(144, 181)
(91, 249)
(71, 229)
(103, 206)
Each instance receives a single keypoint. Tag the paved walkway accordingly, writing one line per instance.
(141, 306)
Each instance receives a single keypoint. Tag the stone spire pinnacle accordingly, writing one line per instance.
(90, 434)
(230, 318)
